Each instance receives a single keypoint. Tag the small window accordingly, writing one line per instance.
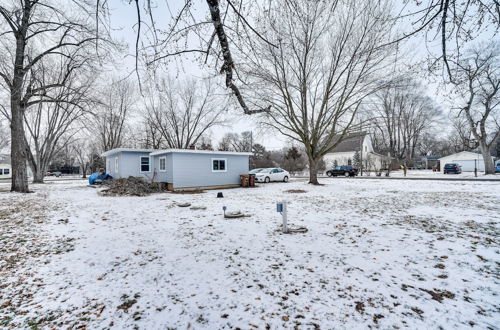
(145, 164)
(219, 165)
(163, 164)
(1, 171)
(116, 165)
(6, 171)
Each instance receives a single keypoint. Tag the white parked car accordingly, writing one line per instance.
(272, 174)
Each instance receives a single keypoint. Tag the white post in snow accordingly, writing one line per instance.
(285, 225)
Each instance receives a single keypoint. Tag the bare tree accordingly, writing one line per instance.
(236, 142)
(183, 112)
(82, 150)
(116, 103)
(50, 126)
(149, 135)
(452, 23)
(401, 115)
(326, 64)
(4, 136)
(189, 34)
(477, 85)
(31, 31)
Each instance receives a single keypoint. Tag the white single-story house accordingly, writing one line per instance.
(179, 168)
(466, 159)
(361, 143)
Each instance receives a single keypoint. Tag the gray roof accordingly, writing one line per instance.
(198, 151)
(351, 142)
(113, 151)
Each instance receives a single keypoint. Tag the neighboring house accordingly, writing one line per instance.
(5, 167)
(356, 145)
(466, 159)
(429, 162)
(179, 168)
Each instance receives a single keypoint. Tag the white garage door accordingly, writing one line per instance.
(468, 165)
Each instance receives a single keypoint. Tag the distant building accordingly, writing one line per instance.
(428, 162)
(466, 159)
(5, 167)
(356, 146)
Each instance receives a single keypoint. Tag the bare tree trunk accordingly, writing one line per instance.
(18, 146)
(84, 171)
(489, 166)
(313, 171)
(38, 175)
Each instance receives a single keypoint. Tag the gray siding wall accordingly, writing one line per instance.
(110, 164)
(195, 170)
(128, 165)
(163, 176)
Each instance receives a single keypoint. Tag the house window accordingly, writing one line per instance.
(116, 164)
(219, 165)
(163, 164)
(1, 171)
(145, 164)
(6, 171)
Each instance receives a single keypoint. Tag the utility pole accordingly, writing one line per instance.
(251, 141)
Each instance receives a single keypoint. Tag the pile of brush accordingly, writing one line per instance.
(131, 186)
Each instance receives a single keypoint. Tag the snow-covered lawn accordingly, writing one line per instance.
(378, 253)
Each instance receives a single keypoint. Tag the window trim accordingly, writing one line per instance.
(140, 164)
(159, 164)
(219, 159)
(117, 165)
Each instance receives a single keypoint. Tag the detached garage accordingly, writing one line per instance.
(466, 159)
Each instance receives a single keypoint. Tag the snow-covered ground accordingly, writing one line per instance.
(378, 253)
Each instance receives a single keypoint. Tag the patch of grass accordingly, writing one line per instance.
(296, 191)
(439, 295)
(126, 305)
